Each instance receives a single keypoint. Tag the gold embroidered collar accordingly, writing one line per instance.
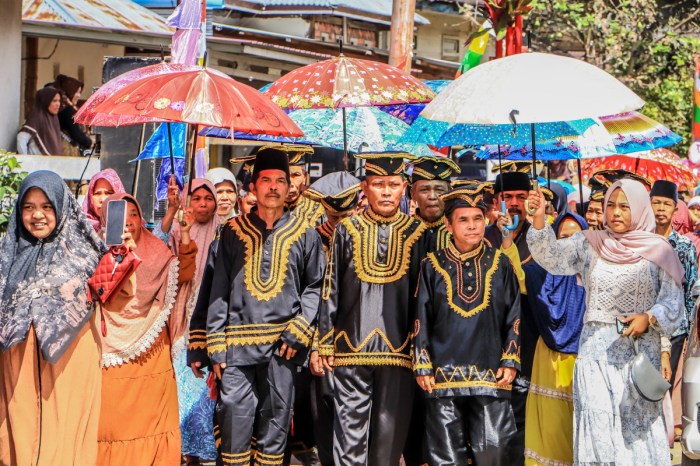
(403, 231)
(282, 239)
(375, 217)
(326, 230)
(437, 223)
(467, 255)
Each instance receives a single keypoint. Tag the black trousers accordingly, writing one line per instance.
(677, 344)
(413, 452)
(323, 413)
(373, 411)
(484, 423)
(301, 441)
(255, 402)
(518, 400)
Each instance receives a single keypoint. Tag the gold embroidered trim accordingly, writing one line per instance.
(326, 350)
(198, 340)
(263, 459)
(282, 241)
(437, 223)
(551, 393)
(466, 255)
(326, 231)
(475, 379)
(301, 329)
(236, 459)
(444, 237)
(370, 167)
(382, 219)
(423, 361)
(249, 334)
(529, 453)
(306, 209)
(373, 359)
(364, 231)
(373, 333)
(486, 300)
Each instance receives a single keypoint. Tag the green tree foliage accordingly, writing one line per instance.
(10, 179)
(647, 44)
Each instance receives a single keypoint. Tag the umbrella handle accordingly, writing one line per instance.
(528, 209)
(508, 228)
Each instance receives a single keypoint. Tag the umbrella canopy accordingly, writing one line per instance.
(367, 128)
(409, 112)
(657, 164)
(347, 82)
(188, 94)
(539, 87)
(616, 134)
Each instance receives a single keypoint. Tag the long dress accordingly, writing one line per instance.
(613, 424)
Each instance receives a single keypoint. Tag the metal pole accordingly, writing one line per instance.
(345, 140)
(534, 158)
(192, 164)
(137, 170)
(580, 179)
(170, 145)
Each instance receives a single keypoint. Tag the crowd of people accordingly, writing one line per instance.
(401, 317)
(49, 128)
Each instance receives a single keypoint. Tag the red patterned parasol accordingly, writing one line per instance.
(657, 164)
(347, 82)
(185, 93)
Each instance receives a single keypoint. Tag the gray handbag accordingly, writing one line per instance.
(648, 381)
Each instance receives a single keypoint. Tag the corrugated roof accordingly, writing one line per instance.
(110, 14)
(381, 8)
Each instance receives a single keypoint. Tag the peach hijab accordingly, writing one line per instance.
(640, 242)
(149, 302)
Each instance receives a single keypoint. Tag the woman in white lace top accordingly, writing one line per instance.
(632, 274)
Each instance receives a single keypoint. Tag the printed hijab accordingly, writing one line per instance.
(640, 242)
(44, 282)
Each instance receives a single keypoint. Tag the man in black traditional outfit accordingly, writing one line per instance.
(430, 179)
(264, 300)
(465, 344)
(366, 315)
(338, 193)
(513, 188)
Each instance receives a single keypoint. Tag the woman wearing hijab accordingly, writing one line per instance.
(557, 303)
(632, 275)
(681, 218)
(41, 133)
(50, 361)
(226, 192)
(139, 418)
(102, 185)
(196, 407)
(71, 89)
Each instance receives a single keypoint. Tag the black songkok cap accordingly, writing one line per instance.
(384, 163)
(598, 189)
(432, 167)
(608, 177)
(270, 159)
(516, 166)
(512, 181)
(663, 188)
(296, 152)
(336, 191)
(467, 195)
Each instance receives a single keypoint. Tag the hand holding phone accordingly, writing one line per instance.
(621, 326)
(116, 222)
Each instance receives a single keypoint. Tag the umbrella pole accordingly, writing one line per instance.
(535, 184)
(549, 176)
(193, 161)
(345, 137)
(580, 179)
(137, 170)
(170, 145)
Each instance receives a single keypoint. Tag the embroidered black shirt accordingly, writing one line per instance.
(265, 289)
(467, 320)
(366, 312)
(436, 232)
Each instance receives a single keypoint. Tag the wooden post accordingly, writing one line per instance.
(401, 38)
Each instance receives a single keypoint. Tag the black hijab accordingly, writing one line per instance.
(44, 127)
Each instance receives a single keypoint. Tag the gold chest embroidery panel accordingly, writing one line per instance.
(282, 241)
(365, 238)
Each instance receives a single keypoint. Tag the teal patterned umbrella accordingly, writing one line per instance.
(368, 129)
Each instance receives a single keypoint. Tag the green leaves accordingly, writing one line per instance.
(644, 43)
(10, 179)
